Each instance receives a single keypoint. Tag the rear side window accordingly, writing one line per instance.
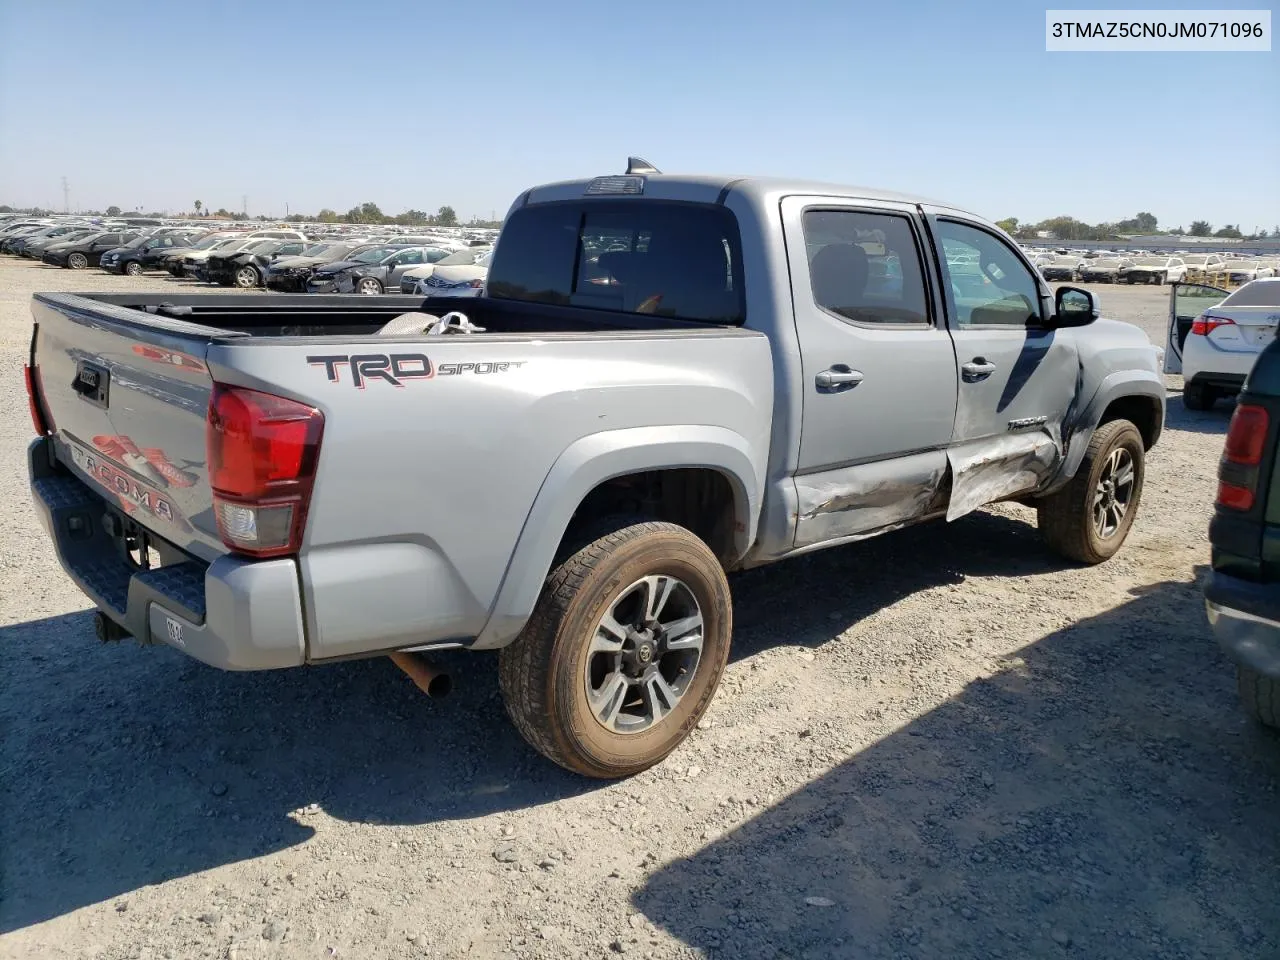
(676, 260)
(865, 267)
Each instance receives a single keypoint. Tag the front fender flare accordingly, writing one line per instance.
(1122, 383)
(586, 464)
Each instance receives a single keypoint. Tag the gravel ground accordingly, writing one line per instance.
(941, 743)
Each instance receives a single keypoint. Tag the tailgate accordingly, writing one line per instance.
(127, 392)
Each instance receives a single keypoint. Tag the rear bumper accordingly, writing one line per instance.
(1245, 618)
(1226, 382)
(232, 614)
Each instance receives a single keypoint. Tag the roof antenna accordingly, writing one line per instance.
(639, 165)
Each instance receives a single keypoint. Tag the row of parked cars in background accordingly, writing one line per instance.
(1095, 267)
(276, 257)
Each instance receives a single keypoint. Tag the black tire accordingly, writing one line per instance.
(133, 268)
(1260, 696)
(1067, 519)
(368, 286)
(1198, 396)
(246, 278)
(77, 261)
(544, 673)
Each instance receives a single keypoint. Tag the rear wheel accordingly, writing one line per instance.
(247, 277)
(77, 261)
(1089, 518)
(624, 650)
(1198, 396)
(369, 286)
(1259, 695)
(133, 268)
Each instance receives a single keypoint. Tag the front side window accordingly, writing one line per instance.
(865, 267)
(989, 285)
(677, 260)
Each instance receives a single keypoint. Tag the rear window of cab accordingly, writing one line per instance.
(665, 259)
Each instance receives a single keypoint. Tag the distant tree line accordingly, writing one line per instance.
(365, 213)
(1069, 228)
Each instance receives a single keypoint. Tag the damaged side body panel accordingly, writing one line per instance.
(868, 497)
(986, 471)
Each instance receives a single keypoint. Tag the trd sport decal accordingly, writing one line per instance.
(396, 368)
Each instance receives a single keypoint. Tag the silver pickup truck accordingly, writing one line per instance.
(667, 378)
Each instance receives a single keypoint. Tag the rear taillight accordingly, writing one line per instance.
(1205, 324)
(262, 461)
(35, 390)
(1247, 435)
(1241, 455)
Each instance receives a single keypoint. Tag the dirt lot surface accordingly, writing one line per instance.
(941, 743)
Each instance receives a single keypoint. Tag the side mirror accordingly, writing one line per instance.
(1073, 307)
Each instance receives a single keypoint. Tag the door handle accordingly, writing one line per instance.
(977, 369)
(838, 377)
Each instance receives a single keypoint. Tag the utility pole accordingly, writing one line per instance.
(244, 204)
(66, 196)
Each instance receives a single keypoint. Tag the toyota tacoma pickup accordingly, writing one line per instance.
(665, 379)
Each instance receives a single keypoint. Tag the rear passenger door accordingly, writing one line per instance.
(879, 375)
(1017, 378)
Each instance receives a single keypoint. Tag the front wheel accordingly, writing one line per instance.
(623, 652)
(1089, 518)
(369, 286)
(133, 268)
(77, 261)
(246, 278)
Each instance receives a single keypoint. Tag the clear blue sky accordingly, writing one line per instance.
(415, 105)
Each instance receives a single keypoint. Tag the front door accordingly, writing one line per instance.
(1186, 302)
(396, 268)
(1017, 379)
(877, 367)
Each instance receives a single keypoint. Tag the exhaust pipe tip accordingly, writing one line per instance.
(426, 676)
(441, 686)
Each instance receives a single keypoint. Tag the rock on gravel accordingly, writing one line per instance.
(1125, 793)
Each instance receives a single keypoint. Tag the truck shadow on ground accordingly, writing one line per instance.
(1214, 420)
(125, 767)
(1101, 792)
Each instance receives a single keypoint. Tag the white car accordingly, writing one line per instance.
(1242, 271)
(1154, 269)
(1215, 336)
(412, 281)
(1202, 263)
(457, 280)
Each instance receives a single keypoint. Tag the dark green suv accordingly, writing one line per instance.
(1242, 592)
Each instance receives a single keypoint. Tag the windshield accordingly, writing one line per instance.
(374, 254)
(1106, 263)
(1151, 262)
(263, 246)
(134, 244)
(208, 243)
(227, 244)
(323, 250)
(460, 258)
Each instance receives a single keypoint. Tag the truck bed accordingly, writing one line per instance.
(302, 315)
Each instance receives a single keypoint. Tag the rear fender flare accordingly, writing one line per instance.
(586, 464)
